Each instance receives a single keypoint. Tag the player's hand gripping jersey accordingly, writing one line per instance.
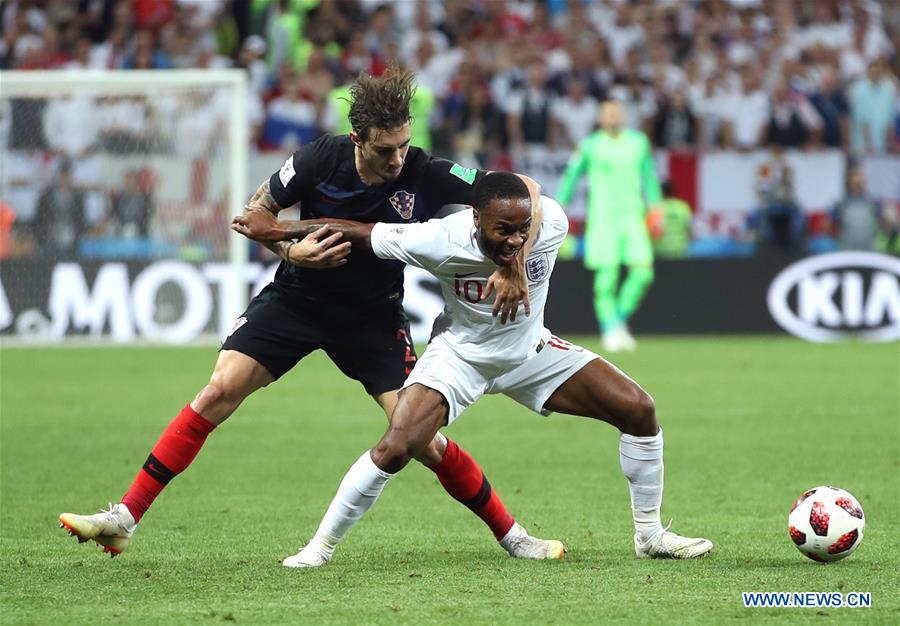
(448, 249)
(322, 176)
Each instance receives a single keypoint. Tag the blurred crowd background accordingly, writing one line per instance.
(503, 84)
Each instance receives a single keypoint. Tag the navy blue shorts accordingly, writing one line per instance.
(278, 332)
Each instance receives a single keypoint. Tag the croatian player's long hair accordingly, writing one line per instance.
(381, 103)
(499, 185)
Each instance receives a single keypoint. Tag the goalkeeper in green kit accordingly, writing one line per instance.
(622, 183)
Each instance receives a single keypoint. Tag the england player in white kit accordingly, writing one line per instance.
(472, 353)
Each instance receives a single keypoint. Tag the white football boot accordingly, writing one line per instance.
(111, 529)
(309, 556)
(521, 545)
(668, 545)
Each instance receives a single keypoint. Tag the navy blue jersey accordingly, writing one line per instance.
(322, 177)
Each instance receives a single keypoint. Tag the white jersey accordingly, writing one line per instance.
(447, 248)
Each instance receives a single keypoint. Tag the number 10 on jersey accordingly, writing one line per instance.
(471, 290)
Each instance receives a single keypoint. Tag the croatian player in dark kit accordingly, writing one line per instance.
(349, 305)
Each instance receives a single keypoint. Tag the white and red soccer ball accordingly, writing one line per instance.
(826, 523)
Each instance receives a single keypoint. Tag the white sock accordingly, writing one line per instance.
(641, 459)
(361, 486)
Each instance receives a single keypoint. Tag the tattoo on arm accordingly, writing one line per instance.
(262, 199)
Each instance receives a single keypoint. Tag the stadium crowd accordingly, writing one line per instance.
(499, 78)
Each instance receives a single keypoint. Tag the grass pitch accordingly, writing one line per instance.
(749, 423)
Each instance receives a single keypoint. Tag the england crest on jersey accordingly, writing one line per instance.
(537, 267)
(403, 202)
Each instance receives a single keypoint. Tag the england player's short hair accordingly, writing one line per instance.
(499, 186)
(381, 102)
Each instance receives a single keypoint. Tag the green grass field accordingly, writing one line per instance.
(750, 423)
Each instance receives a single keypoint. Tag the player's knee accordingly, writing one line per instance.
(605, 280)
(394, 451)
(642, 420)
(215, 402)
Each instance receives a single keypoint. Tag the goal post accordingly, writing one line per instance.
(177, 140)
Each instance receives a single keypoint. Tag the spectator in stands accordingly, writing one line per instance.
(291, 118)
(873, 102)
(424, 31)
(28, 53)
(709, 101)
(110, 54)
(477, 128)
(675, 125)
(357, 58)
(660, 69)
(528, 121)
(318, 77)
(831, 105)
(574, 114)
(852, 58)
(251, 57)
(283, 29)
(747, 113)
(131, 209)
(542, 31)
(624, 33)
(777, 223)
(857, 219)
(381, 30)
(60, 222)
(123, 124)
(825, 28)
(793, 121)
(867, 16)
(72, 131)
(54, 57)
(432, 71)
(585, 58)
(675, 37)
(638, 100)
(147, 56)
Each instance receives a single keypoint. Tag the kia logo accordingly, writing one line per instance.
(831, 297)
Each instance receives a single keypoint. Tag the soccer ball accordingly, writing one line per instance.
(826, 524)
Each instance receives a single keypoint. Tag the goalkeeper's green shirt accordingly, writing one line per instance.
(621, 177)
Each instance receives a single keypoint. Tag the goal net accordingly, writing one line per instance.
(116, 194)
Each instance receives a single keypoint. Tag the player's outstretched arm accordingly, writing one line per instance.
(316, 248)
(511, 283)
(310, 243)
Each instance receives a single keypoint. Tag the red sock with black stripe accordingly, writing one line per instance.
(463, 479)
(176, 448)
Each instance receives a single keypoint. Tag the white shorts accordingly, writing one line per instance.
(531, 383)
